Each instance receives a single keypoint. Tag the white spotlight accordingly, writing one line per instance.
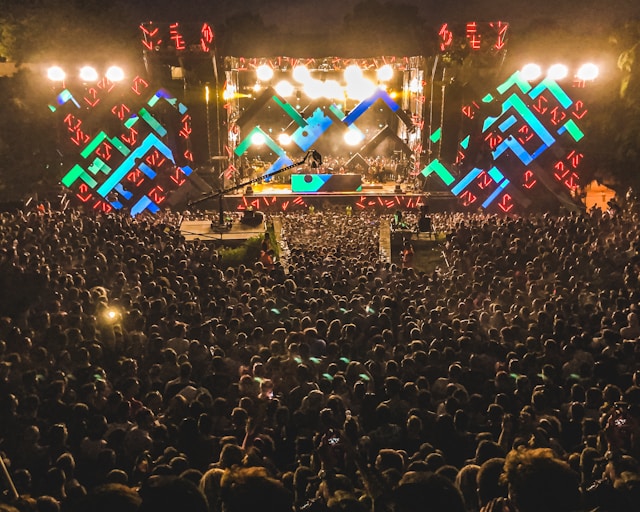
(588, 71)
(284, 139)
(56, 74)
(352, 73)
(353, 138)
(88, 74)
(530, 72)
(258, 139)
(301, 74)
(284, 88)
(558, 72)
(385, 73)
(115, 74)
(314, 88)
(264, 72)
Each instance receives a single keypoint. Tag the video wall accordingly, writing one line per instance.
(533, 144)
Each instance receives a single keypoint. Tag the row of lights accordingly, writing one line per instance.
(586, 72)
(86, 74)
(357, 86)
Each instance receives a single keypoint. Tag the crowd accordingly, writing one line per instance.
(140, 372)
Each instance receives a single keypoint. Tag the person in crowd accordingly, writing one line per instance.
(130, 357)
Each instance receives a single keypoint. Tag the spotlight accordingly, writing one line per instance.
(530, 72)
(56, 74)
(284, 88)
(264, 72)
(385, 73)
(588, 71)
(115, 74)
(88, 74)
(557, 72)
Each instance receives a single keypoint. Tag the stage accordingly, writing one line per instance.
(279, 197)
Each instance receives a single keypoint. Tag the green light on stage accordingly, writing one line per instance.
(440, 170)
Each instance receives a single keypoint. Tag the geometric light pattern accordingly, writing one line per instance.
(130, 147)
(532, 141)
(307, 130)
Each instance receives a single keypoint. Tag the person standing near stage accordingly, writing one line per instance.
(407, 255)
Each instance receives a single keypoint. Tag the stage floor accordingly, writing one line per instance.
(278, 197)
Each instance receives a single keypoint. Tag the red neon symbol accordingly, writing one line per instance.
(527, 134)
(178, 177)
(131, 138)
(176, 36)
(571, 181)
(104, 151)
(139, 84)
(501, 28)
(529, 179)
(206, 37)
(541, 105)
(148, 34)
(136, 177)
(156, 194)
(446, 37)
(484, 180)
(472, 35)
(84, 192)
(505, 203)
(579, 110)
(468, 198)
(120, 111)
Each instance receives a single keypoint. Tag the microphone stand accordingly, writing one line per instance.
(312, 155)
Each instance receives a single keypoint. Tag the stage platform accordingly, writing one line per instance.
(212, 231)
(278, 197)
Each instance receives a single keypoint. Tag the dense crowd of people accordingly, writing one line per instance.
(140, 372)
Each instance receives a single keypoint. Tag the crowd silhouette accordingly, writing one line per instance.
(140, 372)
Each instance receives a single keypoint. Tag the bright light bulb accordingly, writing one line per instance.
(557, 72)
(353, 137)
(115, 74)
(301, 74)
(264, 72)
(588, 71)
(88, 74)
(284, 139)
(258, 139)
(352, 73)
(385, 73)
(530, 72)
(314, 89)
(56, 74)
(284, 88)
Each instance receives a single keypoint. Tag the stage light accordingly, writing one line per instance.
(314, 88)
(257, 87)
(588, 71)
(264, 72)
(333, 90)
(284, 88)
(115, 74)
(385, 73)
(284, 139)
(557, 72)
(301, 74)
(257, 139)
(229, 92)
(414, 86)
(88, 74)
(56, 74)
(530, 72)
(361, 89)
(352, 73)
(353, 137)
